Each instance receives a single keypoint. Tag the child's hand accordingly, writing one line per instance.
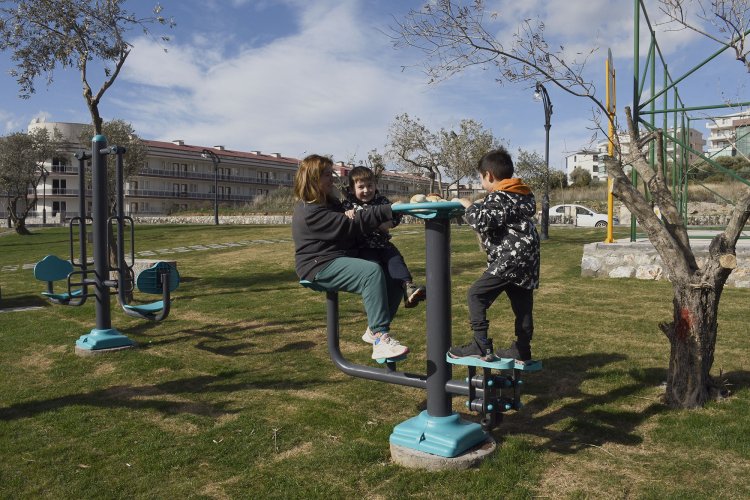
(465, 202)
(350, 213)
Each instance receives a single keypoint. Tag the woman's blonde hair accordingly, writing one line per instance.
(307, 179)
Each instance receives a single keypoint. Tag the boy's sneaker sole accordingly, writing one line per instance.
(415, 298)
(488, 358)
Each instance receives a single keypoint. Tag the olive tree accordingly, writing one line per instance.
(456, 37)
(22, 158)
(449, 153)
(42, 35)
(462, 150)
(415, 148)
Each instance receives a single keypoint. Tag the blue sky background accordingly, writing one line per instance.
(303, 76)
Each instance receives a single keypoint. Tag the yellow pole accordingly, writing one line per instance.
(609, 68)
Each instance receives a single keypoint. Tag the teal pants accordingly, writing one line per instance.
(381, 295)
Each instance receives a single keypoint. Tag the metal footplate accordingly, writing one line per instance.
(500, 392)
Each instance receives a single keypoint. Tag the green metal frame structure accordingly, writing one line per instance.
(645, 113)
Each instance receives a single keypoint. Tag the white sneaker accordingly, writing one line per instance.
(368, 336)
(386, 346)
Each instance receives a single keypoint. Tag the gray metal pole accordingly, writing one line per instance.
(437, 256)
(216, 192)
(100, 209)
(82, 157)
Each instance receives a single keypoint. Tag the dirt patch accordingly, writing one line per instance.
(41, 360)
(104, 369)
(303, 449)
(173, 425)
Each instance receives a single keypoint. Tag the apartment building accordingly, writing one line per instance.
(729, 135)
(592, 159)
(178, 176)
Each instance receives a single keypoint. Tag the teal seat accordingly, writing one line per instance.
(151, 281)
(312, 286)
(150, 308)
(52, 268)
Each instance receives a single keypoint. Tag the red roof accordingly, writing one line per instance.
(187, 148)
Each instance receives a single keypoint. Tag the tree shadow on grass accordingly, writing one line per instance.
(233, 339)
(251, 283)
(23, 301)
(166, 397)
(584, 419)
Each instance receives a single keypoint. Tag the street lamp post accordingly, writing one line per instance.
(207, 153)
(541, 94)
(45, 173)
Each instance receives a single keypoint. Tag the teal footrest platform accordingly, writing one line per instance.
(391, 360)
(499, 364)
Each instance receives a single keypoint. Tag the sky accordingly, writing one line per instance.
(322, 76)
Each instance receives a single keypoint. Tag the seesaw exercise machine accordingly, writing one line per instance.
(81, 274)
(492, 387)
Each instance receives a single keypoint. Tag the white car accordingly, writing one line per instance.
(578, 215)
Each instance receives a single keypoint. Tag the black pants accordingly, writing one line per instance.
(483, 293)
(391, 260)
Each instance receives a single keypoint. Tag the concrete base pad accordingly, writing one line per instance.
(94, 352)
(415, 459)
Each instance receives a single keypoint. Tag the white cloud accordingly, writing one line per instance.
(326, 88)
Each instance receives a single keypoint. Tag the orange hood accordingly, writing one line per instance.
(513, 185)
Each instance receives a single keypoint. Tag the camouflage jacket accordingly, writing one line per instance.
(377, 239)
(504, 222)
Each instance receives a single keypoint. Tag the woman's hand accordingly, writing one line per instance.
(350, 213)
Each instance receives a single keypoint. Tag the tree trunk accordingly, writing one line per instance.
(692, 337)
(20, 226)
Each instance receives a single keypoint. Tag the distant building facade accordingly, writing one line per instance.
(177, 177)
(592, 160)
(729, 135)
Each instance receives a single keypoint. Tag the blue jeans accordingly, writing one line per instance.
(381, 295)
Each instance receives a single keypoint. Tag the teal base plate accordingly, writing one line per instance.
(103, 339)
(444, 436)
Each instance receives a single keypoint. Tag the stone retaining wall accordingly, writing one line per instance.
(640, 260)
(209, 219)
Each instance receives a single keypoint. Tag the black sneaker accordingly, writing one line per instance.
(473, 349)
(413, 295)
(514, 352)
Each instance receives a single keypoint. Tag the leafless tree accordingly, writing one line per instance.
(415, 148)
(726, 22)
(455, 37)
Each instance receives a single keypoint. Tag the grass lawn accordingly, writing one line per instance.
(234, 396)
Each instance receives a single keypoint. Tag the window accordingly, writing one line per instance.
(59, 186)
(582, 211)
(58, 206)
(59, 164)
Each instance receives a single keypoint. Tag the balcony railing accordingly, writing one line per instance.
(209, 176)
(148, 193)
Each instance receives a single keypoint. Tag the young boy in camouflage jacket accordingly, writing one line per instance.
(504, 222)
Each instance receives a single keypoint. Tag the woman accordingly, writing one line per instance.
(325, 242)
